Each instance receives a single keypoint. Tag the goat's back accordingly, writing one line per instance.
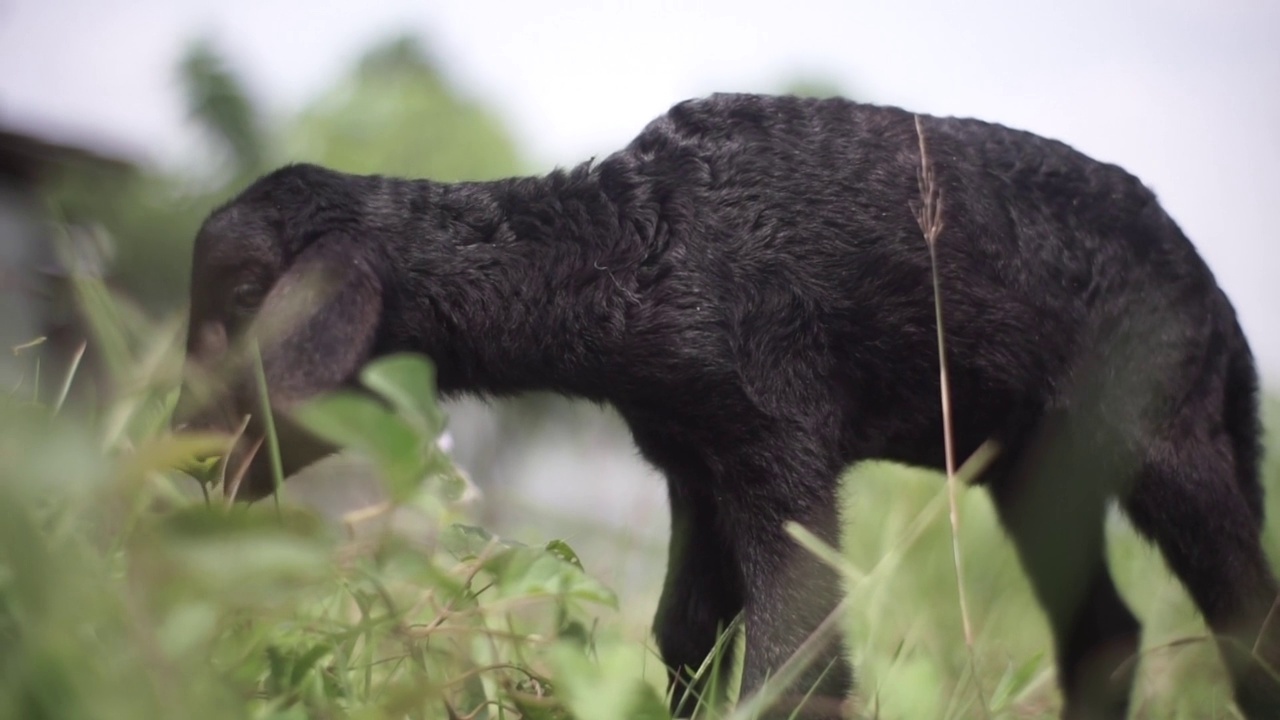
(791, 225)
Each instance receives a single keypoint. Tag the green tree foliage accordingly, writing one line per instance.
(397, 114)
(144, 220)
(815, 87)
(394, 113)
(217, 100)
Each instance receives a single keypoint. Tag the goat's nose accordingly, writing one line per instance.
(190, 416)
(211, 342)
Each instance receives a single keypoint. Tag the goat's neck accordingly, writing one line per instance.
(521, 284)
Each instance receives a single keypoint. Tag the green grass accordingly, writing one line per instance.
(127, 593)
(905, 624)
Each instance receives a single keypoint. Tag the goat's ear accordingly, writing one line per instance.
(318, 324)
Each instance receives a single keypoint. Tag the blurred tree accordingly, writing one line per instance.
(813, 87)
(393, 114)
(150, 217)
(396, 114)
(217, 100)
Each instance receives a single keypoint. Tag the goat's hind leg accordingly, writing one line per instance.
(790, 593)
(1052, 498)
(1188, 500)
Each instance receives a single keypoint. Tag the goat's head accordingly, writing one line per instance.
(285, 272)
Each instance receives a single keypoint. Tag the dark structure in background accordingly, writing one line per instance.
(35, 291)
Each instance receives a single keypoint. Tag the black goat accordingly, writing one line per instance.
(748, 285)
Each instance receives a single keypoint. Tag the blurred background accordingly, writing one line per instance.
(123, 122)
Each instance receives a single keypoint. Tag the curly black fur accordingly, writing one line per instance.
(746, 282)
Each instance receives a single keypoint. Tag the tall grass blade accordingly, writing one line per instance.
(71, 376)
(268, 420)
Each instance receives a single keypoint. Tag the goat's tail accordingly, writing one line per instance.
(1241, 419)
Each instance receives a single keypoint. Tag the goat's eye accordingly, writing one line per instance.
(246, 297)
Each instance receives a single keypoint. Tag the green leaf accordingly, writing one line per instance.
(561, 549)
(530, 710)
(188, 452)
(610, 689)
(306, 661)
(372, 120)
(527, 571)
(105, 318)
(465, 542)
(189, 626)
(408, 382)
(532, 572)
(575, 632)
(216, 99)
(1015, 681)
(363, 424)
(241, 557)
(442, 479)
(277, 670)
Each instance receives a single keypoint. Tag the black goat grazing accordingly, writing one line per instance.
(748, 285)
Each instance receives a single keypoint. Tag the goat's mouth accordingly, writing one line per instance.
(246, 473)
(248, 470)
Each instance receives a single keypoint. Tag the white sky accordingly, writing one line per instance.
(1185, 93)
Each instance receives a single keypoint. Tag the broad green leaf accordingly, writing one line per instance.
(448, 482)
(575, 632)
(105, 319)
(610, 689)
(561, 549)
(187, 627)
(408, 382)
(531, 572)
(216, 98)
(363, 424)
(371, 122)
(242, 556)
(186, 452)
(464, 542)
(538, 708)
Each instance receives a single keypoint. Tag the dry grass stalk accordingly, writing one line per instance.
(231, 485)
(929, 216)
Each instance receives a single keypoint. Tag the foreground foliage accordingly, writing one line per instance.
(127, 590)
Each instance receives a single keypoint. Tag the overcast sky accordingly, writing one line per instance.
(1185, 93)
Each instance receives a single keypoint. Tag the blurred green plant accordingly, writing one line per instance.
(124, 593)
(397, 114)
(217, 100)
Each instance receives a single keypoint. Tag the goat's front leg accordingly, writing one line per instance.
(703, 590)
(789, 592)
(701, 597)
